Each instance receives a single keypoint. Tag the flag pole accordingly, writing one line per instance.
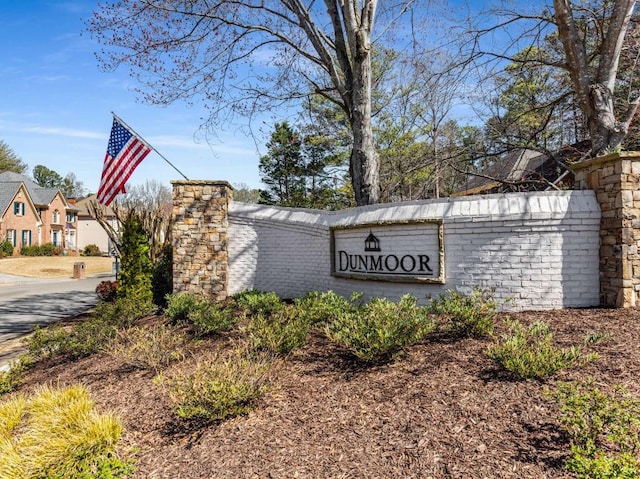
(146, 143)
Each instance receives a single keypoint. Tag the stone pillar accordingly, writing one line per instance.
(616, 180)
(200, 237)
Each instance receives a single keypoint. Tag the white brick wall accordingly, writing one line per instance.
(537, 250)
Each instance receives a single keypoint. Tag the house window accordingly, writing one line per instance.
(18, 208)
(11, 237)
(71, 217)
(56, 217)
(26, 237)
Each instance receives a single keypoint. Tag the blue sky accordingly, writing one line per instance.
(56, 104)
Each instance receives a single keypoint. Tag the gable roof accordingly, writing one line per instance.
(39, 195)
(8, 193)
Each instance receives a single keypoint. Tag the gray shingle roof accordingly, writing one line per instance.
(39, 195)
(8, 190)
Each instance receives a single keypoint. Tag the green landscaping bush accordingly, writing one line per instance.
(91, 250)
(90, 336)
(136, 269)
(151, 348)
(225, 385)
(466, 315)
(530, 352)
(381, 329)
(258, 302)
(279, 332)
(321, 308)
(46, 249)
(10, 379)
(207, 316)
(57, 434)
(6, 248)
(604, 430)
(162, 276)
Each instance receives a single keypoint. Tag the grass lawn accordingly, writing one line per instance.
(53, 266)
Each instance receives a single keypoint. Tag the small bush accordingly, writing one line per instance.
(180, 305)
(6, 248)
(530, 352)
(56, 433)
(258, 302)
(91, 250)
(107, 291)
(466, 315)
(280, 332)
(87, 337)
(207, 316)
(10, 379)
(46, 249)
(151, 348)
(381, 329)
(225, 385)
(604, 430)
(322, 308)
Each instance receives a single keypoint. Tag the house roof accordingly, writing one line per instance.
(7, 194)
(535, 170)
(84, 211)
(39, 195)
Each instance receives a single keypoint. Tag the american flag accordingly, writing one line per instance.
(125, 152)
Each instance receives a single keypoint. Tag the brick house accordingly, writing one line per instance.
(33, 215)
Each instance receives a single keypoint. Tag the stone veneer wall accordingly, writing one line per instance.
(616, 180)
(200, 237)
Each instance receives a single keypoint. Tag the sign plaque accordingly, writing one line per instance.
(408, 251)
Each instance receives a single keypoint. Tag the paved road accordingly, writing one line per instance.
(26, 303)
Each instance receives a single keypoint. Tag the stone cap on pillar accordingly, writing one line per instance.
(202, 183)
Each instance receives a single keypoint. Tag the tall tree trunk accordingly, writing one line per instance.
(364, 162)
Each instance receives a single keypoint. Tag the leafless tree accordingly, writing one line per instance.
(247, 56)
(590, 37)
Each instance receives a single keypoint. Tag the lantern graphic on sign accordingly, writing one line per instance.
(371, 243)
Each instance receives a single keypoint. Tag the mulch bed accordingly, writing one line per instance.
(442, 410)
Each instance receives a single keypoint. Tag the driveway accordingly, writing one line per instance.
(29, 302)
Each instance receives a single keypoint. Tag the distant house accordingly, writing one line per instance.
(90, 231)
(525, 170)
(33, 215)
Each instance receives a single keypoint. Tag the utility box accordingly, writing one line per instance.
(79, 271)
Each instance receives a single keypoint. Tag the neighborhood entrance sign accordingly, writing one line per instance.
(410, 251)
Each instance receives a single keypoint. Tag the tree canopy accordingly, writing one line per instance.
(247, 56)
(9, 160)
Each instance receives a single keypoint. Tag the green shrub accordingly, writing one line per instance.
(180, 305)
(10, 379)
(466, 315)
(280, 332)
(207, 316)
(322, 308)
(46, 249)
(151, 348)
(90, 336)
(162, 276)
(135, 265)
(91, 250)
(258, 302)
(604, 430)
(530, 352)
(381, 329)
(56, 433)
(6, 248)
(225, 385)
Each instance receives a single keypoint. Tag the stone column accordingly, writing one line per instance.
(200, 237)
(616, 180)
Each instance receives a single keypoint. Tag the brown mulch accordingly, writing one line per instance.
(442, 410)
